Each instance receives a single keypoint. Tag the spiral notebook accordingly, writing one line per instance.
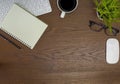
(35, 7)
(23, 26)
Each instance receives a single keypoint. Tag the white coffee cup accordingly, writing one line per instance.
(64, 6)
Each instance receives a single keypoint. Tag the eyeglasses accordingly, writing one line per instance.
(97, 27)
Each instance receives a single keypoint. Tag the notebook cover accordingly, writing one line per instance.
(23, 26)
(35, 7)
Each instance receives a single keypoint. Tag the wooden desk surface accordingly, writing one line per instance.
(68, 53)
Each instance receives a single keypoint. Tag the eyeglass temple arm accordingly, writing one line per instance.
(91, 23)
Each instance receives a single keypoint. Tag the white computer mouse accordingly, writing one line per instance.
(112, 51)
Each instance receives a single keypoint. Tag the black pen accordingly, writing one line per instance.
(10, 41)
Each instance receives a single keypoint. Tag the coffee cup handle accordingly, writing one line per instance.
(62, 14)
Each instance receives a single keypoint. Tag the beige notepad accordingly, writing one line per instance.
(23, 26)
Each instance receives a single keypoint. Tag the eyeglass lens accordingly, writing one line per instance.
(98, 27)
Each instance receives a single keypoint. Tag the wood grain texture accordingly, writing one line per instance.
(68, 52)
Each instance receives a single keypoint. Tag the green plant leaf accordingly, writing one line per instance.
(109, 10)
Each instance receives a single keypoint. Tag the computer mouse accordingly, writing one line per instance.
(112, 51)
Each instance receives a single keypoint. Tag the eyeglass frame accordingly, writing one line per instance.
(115, 31)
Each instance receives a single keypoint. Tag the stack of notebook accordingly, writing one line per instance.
(23, 26)
(35, 7)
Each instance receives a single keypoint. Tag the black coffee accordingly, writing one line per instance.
(67, 5)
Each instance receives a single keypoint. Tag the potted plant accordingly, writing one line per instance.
(108, 11)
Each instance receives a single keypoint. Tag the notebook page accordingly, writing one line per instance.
(35, 7)
(23, 26)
